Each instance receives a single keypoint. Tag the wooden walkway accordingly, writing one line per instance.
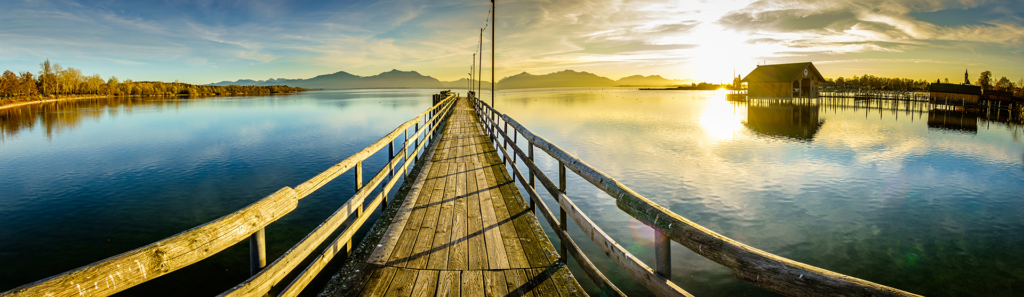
(462, 230)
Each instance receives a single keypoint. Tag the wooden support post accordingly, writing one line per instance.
(257, 251)
(417, 143)
(561, 211)
(504, 142)
(405, 146)
(533, 207)
(359, 175)
(515, 142)
(662, 253)
(391, 156)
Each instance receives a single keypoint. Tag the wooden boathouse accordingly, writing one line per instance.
(459, 227)
(954, 94)
(784, 81)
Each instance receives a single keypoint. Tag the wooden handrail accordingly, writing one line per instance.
(260, 284)
(300, 282)
(751, 265)
(566, 241)
(131, 268)
(117, 273)
(633, 266)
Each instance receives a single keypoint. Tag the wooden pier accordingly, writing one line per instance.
(458, 226)
(463, 230)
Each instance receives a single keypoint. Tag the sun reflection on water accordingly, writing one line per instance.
(722, 120)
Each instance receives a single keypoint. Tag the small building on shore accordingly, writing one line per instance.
(795, 80)
(954, 94)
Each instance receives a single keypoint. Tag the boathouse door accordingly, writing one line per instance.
(805, 88)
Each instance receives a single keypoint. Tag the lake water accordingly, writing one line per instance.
(931, 202)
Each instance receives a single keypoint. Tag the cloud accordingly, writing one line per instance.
(838, 22)
(169, 40)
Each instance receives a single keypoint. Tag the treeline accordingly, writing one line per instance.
(880, 83)
(53, 80)
(985, 80)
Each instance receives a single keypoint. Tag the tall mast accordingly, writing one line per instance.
(494, 17)
(479, 83)
(472, 71)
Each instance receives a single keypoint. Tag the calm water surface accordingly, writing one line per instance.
(929, 202)
(84, 180)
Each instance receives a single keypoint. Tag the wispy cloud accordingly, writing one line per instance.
(204, 40)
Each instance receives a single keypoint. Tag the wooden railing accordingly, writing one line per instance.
(749, 264)
(131, 268)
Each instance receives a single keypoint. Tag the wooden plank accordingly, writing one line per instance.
(407, 242)
(440, 245)
(131, 268)
(403, 282)
(379, 281)
(476, 249)
(518, 283)
(472, 283)
(494, 283)
(390, 239)
(496, 255)
(525, 225)
(449, 284)
(566, 284)
(425, 237)
(516, 255)
(541, 282)
(457, 254)
(426, 283)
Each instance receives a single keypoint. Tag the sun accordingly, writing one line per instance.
(721, 53)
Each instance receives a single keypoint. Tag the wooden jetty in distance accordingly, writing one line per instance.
(459, 227)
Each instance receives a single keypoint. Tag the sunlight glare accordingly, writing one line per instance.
(722, 119)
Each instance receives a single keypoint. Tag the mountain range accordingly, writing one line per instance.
(415, 80)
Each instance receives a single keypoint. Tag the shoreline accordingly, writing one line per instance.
(14, 104)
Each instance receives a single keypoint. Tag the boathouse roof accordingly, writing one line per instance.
(955, 89)
(782, 72)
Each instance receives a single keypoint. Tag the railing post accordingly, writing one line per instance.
(405, 146)
(515, 142)
(532, 206)
(561, 211)
(504, 142)
(359, 209)
(416, 142)
(662, 253)
(359, 175)
(391, 172)
(257, 251)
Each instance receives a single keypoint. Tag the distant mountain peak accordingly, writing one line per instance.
(411, 79)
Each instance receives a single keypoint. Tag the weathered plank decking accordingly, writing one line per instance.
(462, 230)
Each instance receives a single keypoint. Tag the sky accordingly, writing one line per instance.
(205, 41)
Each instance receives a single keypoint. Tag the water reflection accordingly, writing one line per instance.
(62, 116)
(954, 120)
(861, 187)
(798, 121)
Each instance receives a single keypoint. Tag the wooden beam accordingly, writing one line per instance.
(117, 273)
(751, 265)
